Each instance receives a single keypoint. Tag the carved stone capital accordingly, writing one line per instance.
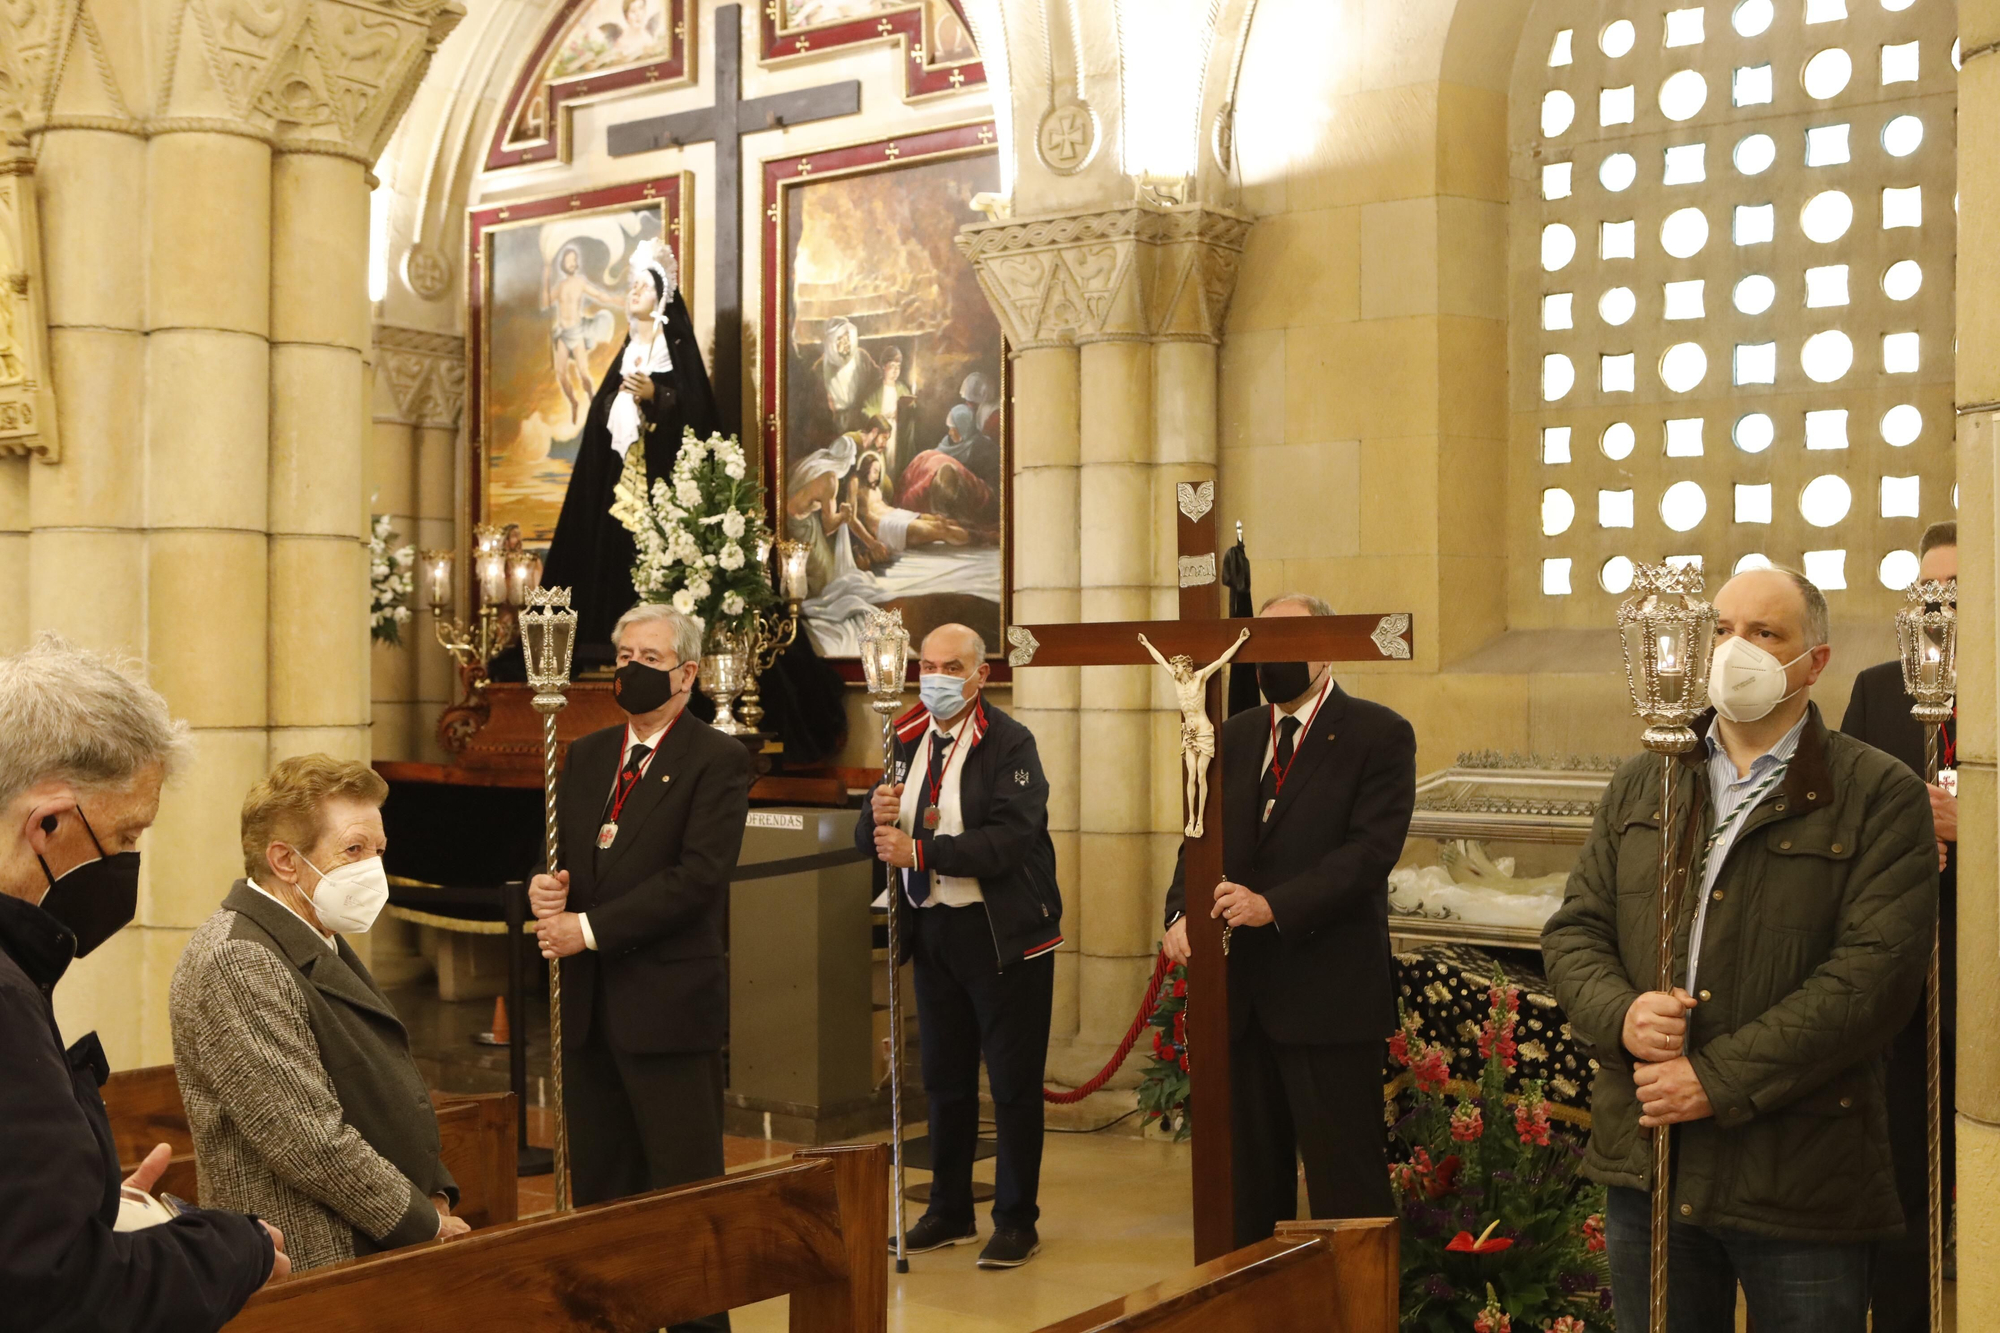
(329, 76)
(420, 375)
(1145, 273)
(27, 398)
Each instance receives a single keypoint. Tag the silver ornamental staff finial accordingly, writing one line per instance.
(1927, 636)
(1668, 632)
(1927, 633)
(885, 653)
(548, 637)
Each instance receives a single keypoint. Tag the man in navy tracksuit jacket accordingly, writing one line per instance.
(965, 830)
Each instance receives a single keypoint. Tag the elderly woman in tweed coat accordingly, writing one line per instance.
(304, 1103)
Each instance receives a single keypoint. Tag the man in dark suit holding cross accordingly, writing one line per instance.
(1317, 792)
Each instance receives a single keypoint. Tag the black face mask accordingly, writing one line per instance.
(1283, 682)
(639, 688)
(98, 898)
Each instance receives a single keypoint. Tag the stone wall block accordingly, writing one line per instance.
(340, 742)
(195, 850)
(319, 250)
(1115, 870)
(318, 462)
(318, 631)
(1116, 527)
(96, 995)
(1108, 995)
(437, 472)
(1184, 403)
(209, 232)
(77, 172)
(1046, 407)
(392, 469)
(100, 381)
(1117, 750)
(1117, 396)
(160, 951)
(208, 429)
(89, 587)
(1046, 522)
(206, 646)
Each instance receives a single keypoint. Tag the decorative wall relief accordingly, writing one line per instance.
(27, 400)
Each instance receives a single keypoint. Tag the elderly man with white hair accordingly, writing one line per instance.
(650, 821)
(84, 750)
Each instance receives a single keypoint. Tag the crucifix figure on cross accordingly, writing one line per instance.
(1197, 728)
(1201, 635)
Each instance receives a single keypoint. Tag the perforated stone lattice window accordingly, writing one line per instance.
(1731, 296)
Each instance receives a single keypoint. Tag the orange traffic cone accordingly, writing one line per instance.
(502, 1034)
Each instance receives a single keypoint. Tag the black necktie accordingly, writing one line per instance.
(636, 761)
(1281, 759)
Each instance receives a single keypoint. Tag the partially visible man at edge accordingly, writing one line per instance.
(84, 751)
(1878, 712)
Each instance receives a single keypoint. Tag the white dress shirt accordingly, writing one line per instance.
(631, 739)
(946, 890)
(1307, 711)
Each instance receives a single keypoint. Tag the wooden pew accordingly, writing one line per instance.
(1332, 1277)
(477, 1130)
(816, 1227)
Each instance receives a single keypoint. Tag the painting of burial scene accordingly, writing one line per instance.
(891, 444)
(555, 318)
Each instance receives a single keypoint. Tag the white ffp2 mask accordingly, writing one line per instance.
(1744, 682)
(348, 898)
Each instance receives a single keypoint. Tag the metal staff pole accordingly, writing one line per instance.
(1927, 635)
(548, 636)
(1667, 631)
(885, 649)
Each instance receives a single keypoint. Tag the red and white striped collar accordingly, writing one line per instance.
(911, 725)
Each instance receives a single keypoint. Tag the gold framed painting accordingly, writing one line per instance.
(884, 383)
(546, 302)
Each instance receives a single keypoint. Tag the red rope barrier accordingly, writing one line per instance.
(1160, 969)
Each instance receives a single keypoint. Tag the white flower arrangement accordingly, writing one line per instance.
(697, 533)
(392, 578)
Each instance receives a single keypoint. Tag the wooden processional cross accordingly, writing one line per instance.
(1203, 636)
(725, 124)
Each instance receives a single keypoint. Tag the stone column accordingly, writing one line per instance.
(207, 356)
(86, 545)
(318, 487)
(1131, 300)
(1046, 582)
(1978, 393)
(1115, 817)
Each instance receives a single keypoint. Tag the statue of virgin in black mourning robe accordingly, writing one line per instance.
(655, 391)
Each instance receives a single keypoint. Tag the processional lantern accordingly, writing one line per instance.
(548, 639)
(1668, 632)
(1927, 637)
(885, 653)
(1927, 633)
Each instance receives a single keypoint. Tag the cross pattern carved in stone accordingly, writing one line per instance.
(1202, 636)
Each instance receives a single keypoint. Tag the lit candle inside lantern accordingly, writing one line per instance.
(524, 575)
(1932, 668)
(492, 567)
(1672, 667)
(437, 580)
(792, 558)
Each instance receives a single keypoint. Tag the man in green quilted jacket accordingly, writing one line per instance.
(1808, 866)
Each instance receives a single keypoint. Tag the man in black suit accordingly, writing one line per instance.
(651, 819)
(977, 907)
(1317, 791)
(1878, 712)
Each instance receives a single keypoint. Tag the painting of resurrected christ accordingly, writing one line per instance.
(891, 440)
(554, 314)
